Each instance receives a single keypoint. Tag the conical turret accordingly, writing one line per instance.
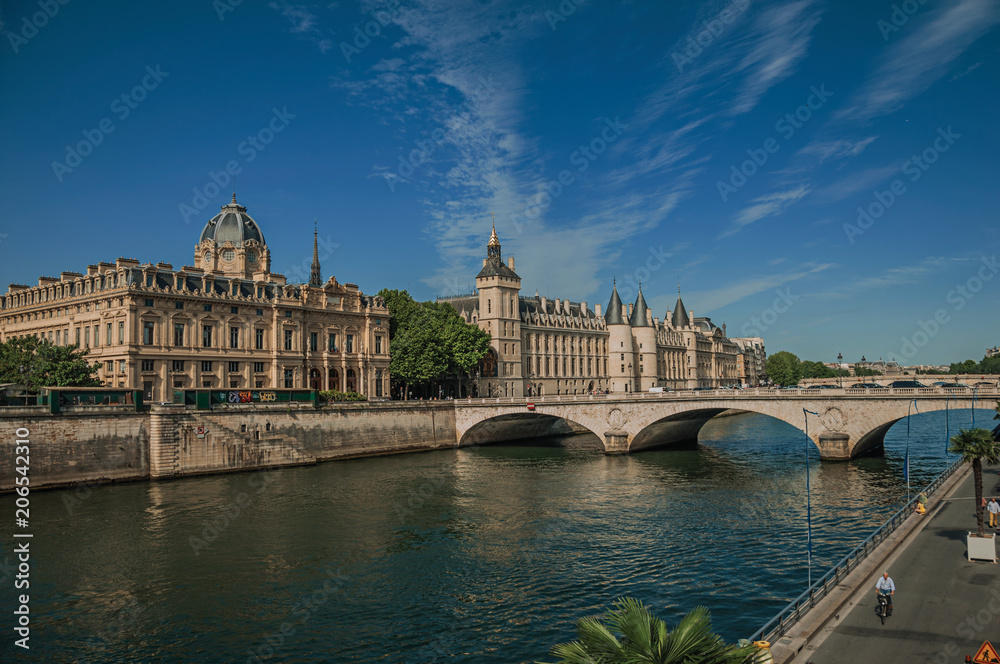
(639, 317)
(614, 314)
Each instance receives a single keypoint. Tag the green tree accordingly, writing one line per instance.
(631, 634)
(38, 363)
(967, 367)
(990, 365)
(976, 446)
(783, 368)
(866, 371)
(816, 370)
(401, 306)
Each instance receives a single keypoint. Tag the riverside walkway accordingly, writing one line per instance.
(945, 606)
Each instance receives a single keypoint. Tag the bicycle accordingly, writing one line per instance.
(882, 610)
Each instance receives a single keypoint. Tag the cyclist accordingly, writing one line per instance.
(886, 586)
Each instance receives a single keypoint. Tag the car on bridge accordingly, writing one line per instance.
(906, 383)
(953, 386)
(827, 387)
(792, 387)
(984, 383)
(867, 386)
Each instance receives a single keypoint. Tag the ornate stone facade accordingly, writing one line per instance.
(548, 347)
(227, 322)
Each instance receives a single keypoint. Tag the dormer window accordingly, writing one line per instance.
(228, 255)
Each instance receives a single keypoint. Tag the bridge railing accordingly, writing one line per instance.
(779, 625)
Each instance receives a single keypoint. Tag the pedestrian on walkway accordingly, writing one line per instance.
(887, 587)
(994, 509)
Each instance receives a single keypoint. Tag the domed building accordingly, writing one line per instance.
(227, 322)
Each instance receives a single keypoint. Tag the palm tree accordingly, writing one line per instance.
(631, 633)
(976, 445)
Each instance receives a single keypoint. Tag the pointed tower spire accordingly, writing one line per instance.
(234, 188)
(639, 312)
(613, 316)
(493, 247)
(316, 277)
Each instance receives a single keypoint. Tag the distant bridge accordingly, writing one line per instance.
(849, 422)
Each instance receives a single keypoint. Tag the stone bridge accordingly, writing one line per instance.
(848, 423)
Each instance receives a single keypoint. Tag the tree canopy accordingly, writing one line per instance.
(430, 341)
(39, 363)
(783, 368)
(988, 365)
(976, 446)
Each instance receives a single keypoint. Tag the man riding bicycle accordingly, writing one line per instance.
(885, 586)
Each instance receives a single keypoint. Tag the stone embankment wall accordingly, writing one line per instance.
(171, 441)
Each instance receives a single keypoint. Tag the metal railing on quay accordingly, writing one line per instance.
(777, 626)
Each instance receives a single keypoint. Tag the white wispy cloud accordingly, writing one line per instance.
(710, 300)
(766, 206)
(835, 149)
(858, 181)
(922, 57)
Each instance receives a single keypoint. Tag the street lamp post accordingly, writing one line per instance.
(840, 376)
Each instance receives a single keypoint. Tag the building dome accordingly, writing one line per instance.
(232, 224)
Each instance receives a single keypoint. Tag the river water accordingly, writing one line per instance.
(486, 554)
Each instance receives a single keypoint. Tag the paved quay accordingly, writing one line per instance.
(945, 606)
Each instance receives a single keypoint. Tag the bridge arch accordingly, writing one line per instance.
(521, 425)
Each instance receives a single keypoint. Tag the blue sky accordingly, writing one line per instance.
(816, 173)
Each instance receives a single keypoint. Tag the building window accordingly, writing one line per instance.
(234, 337)
(313, 341)
(147, 333)
(108, 339)
(178, 305)
(228, 255)
(109, 366)
(58, 331)
(121, 332)
(260, 312)
(86, 337)
(178, 334)
(331, 342)
(208, 307)
(121, 367)
(206, 336)
(350, 343)
(288, 378)
(233, 384)
(258, 383)
(259, 339)
(147, 365)
(147, 302)
(206, 365)
(178, 365)
(378, 343)
(234, 367)
(258, 367)
(288, 340)
(97, 335)
(206, 383)
(234, 310)
(288, 314)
